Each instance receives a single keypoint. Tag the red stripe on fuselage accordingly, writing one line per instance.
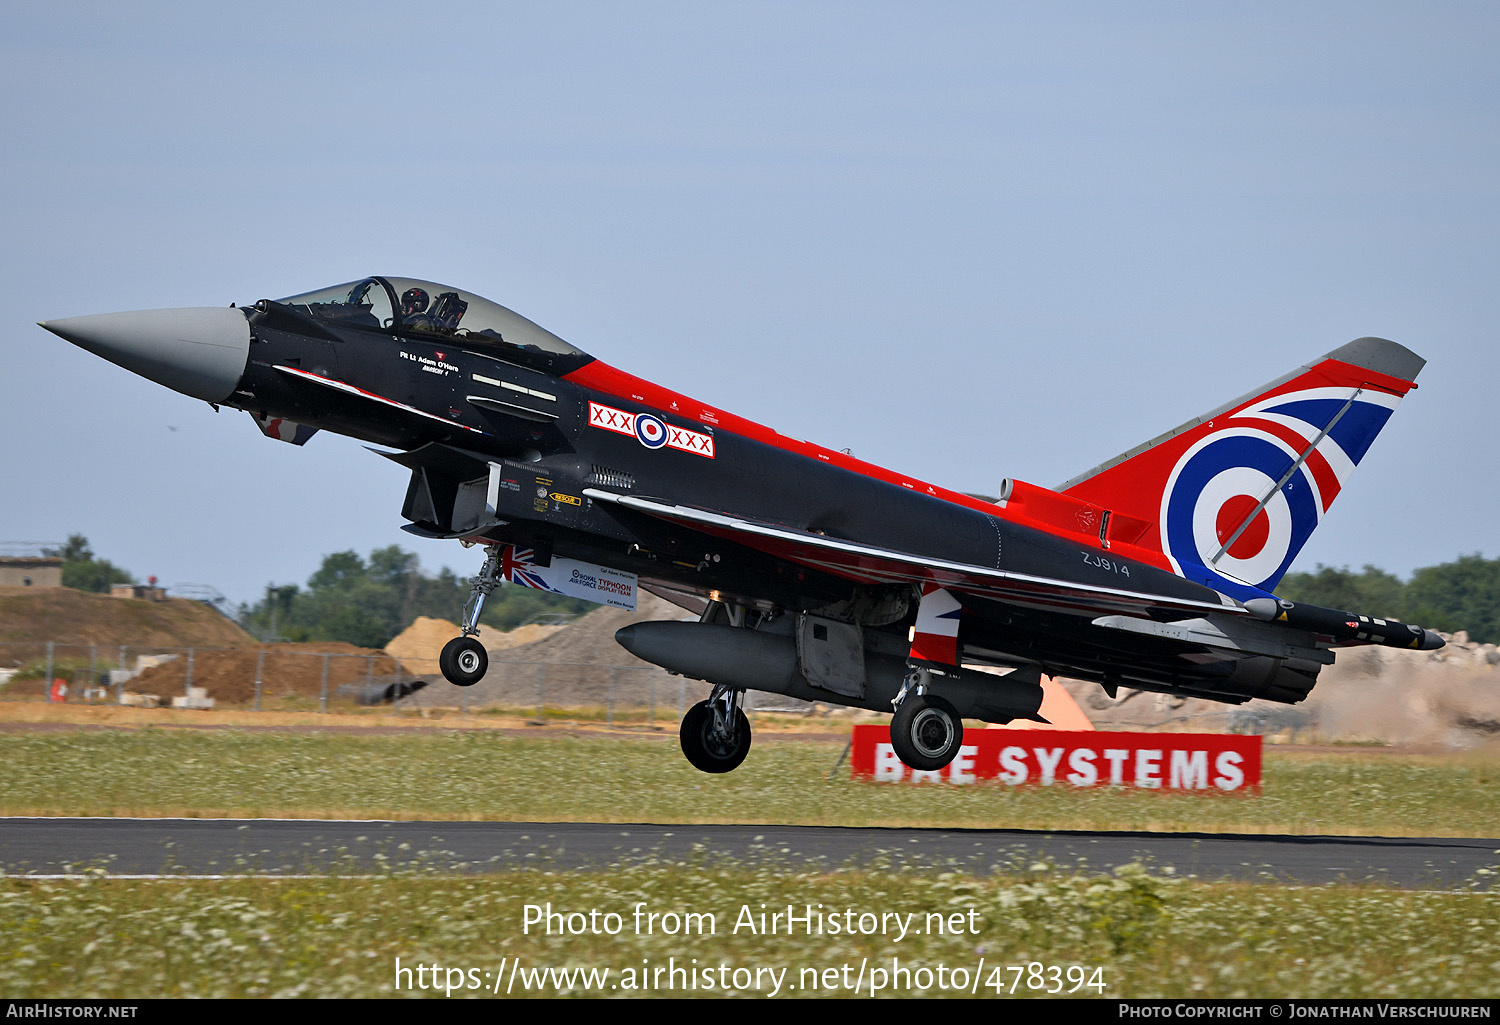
(627, 389)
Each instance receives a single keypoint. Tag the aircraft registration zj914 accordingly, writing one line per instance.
(813, 574)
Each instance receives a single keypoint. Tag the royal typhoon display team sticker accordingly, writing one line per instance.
(651, 431)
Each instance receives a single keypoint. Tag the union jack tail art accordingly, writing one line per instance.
(1231, 497)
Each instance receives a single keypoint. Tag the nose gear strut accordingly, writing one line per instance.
(464, 660)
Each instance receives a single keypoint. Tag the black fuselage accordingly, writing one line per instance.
(452, 406)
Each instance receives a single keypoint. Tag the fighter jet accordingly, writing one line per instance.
(812, 574)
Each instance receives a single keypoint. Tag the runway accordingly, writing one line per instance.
(50, 846)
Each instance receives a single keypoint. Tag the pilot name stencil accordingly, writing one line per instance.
(432, 366)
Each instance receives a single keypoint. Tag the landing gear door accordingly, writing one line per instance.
(831, 655)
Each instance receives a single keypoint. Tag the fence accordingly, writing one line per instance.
(285, 676)
(257, 677)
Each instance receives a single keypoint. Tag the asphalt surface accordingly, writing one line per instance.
(46, 846)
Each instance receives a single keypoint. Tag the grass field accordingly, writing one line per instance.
(487, 774)
(1030, 931)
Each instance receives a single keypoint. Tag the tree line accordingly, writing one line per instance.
(82, 570)
(362, 601)
(367, 601)
(1460, 595)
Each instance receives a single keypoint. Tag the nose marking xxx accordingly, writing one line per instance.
(650, 430)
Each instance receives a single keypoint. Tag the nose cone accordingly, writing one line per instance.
(200, 352)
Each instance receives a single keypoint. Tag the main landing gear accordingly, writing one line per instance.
(715, 733)
(926, 731)
(464, 660)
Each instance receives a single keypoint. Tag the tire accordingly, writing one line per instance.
(708, 752)
(926, 732)
(463, 661)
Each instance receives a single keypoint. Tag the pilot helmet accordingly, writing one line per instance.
(413, 301)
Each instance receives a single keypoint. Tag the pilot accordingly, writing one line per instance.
(414, 308)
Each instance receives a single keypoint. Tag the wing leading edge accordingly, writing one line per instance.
(871, 564)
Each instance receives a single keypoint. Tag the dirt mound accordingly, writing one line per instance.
(286, 670)
(590, 640)
(1449, 698)
(577, 665)
(39, 614)
(419, 645)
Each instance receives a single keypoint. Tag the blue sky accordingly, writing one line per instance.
(968, 241)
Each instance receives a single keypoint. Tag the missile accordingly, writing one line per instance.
(1344, 626)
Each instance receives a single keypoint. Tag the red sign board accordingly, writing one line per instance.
(1219, 762)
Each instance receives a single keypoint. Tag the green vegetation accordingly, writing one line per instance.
(484, 774)
(367, 602)
(1146, 935)
(36, 669)
(1459, 595)
(1139, 933)
(83, 570)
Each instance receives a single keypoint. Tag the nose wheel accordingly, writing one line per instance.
(463, 661)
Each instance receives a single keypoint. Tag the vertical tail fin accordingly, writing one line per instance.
(1231, 497)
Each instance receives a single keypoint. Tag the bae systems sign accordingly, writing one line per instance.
(1074, 758)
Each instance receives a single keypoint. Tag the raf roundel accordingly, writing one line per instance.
(1243, 500)
(1225, 513)
(650, 431)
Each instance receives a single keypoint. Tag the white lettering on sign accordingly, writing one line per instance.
(1085, 773)
(1227, 765)
(1147, 761)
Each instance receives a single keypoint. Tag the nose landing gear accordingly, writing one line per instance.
(464, 660)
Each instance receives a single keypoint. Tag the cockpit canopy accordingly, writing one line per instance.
(411, 307)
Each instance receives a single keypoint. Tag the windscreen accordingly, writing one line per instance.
(432, 309)
(417, 308)
(363, 303)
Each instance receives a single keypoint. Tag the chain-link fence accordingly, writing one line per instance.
(192, 677)
(302, 678)
(286, 678)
